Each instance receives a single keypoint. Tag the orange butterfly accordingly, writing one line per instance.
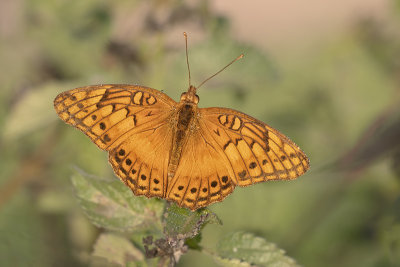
(178, 151)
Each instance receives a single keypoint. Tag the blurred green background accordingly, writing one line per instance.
(333, 88)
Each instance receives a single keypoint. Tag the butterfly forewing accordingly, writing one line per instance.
(256, 151)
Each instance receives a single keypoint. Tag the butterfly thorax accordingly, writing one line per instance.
(185, 123)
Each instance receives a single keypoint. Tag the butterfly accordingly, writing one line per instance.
(175, 150)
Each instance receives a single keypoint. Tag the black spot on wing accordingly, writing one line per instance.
(106, 138)
(252, 165)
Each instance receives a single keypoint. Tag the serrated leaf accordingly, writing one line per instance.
(113, 206)
(112, 249)
(244, 249)
(181, 221)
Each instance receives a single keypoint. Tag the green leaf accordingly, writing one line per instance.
(181, 221)
(244, 249)
(116, 250)
(113, 206)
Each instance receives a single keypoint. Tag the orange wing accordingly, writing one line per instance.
(131, 123)
(231, 148)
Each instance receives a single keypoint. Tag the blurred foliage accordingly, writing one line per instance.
(340, 102)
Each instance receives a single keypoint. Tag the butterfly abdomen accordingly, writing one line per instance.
(185, 115)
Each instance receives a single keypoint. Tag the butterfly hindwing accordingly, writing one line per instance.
(138, 161)
(203, 175)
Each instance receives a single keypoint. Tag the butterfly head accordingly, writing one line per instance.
(190, 96)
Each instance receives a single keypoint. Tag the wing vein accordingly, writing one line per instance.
(252, 152)
(244, 163)
(230, 163)
(279, 158)
(215, 166)
(128, 133)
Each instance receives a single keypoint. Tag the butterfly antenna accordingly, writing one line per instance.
(187, 55)
(230, 63)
